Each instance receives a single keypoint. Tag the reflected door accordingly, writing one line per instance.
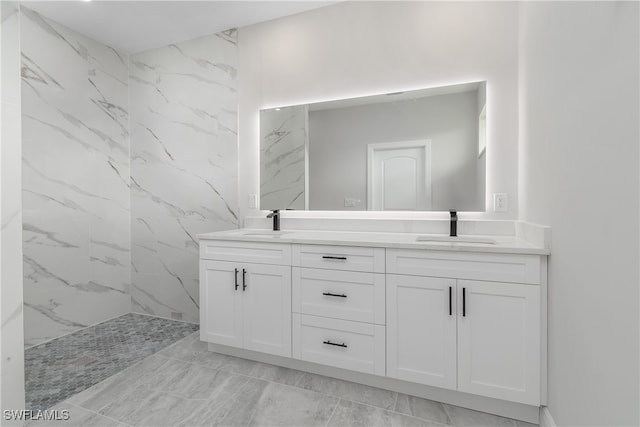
(399, 176)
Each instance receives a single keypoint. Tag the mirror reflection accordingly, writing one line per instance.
(421, 150)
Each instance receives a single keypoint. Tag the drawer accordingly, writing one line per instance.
(475, 266)
(254, 252)
(353, 258)
(347, 295)
(339, 343)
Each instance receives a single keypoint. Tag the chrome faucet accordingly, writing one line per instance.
(453, 224)
(275, 214)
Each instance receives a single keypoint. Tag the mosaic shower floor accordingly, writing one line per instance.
(68, 365)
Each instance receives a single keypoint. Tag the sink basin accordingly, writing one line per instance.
(456, 239)
(265, 233)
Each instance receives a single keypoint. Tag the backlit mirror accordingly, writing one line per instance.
(420, 150)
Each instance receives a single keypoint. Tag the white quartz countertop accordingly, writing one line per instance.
(441, 242)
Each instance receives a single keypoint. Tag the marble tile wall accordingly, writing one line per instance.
(183, 166)
(283, 142)
(11, 299)
(76, 186)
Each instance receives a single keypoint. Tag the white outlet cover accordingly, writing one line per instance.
(500, 202)
(253, 201)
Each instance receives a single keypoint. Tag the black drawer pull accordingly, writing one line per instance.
(450, 302)
(329, 294)
(342, 258)
(236, 281)
(333, 343)
(244, 279)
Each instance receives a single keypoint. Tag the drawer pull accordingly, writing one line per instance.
(236, 281)
(333, 343)
(450, 302)
(244, 279)
(341, 258)
(329, 294)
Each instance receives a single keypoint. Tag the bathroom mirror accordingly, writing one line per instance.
(419, 150)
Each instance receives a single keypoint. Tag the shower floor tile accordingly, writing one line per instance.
(68, 365)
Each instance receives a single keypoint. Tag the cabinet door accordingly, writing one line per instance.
(499, 340)
(267, 308)
(220, 303)
(421, 330)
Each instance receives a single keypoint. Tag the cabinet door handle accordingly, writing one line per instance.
(236, 278)
(329, 294)
(333, 343)
(450, 301)
(244, 280)
(342, 258)
(464, 302)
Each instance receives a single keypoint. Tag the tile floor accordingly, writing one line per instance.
(186, 385)
(67, 365)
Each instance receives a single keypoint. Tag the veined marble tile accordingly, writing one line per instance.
(11, 293)
(156, 408)
(358, 415)
(282, 405)
(165, 296)
(77, 417)
(236, 410)
(198, 382)
(192, 350)
(183, 166)
(463, 417)
(347, 390)
(283, 144)
(76, 191)
(110, 390)
(421, 408)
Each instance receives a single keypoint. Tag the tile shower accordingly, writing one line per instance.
(125, 159)
(70, 364)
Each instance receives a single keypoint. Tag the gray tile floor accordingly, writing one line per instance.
(186, 385)
(67, 365)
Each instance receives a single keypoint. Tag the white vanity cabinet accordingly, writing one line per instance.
(339, 306)
(245, 295)
(475, 336)
(462, 325)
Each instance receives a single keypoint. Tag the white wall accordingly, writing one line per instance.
(363, 48)
(579, 160)
(11, 331)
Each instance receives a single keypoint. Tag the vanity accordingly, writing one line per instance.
(462, 321)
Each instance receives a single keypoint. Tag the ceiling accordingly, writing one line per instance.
(134, 26)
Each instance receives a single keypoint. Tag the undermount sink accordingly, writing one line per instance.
(456, 239)
(265, 233)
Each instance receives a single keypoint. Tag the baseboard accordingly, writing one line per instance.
(546, 420)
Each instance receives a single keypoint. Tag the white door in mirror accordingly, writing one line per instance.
(399, 176)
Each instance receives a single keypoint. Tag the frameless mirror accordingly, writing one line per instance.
(420, 150)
